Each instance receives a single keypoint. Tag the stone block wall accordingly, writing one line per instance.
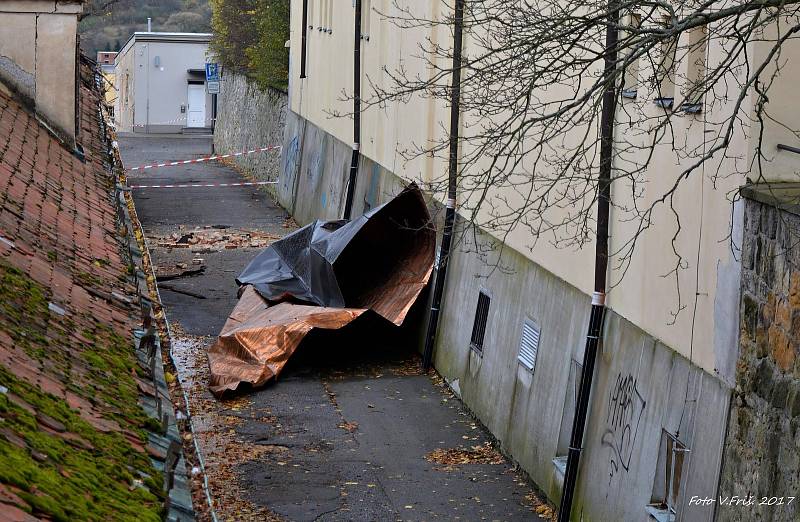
(762, 451)
(248, 117)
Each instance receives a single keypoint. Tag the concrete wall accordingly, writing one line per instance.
(250, 118)
(640, 387)
(157, 93)
(762, 454)
(38, 42)
(649, 386)
(315, 167)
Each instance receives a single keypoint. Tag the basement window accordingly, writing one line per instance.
(570, 405)
(479, 326)
(667, 482)
(529, 345)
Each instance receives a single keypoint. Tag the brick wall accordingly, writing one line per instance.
(762, 451)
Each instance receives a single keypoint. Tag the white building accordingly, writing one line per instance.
(162, 84)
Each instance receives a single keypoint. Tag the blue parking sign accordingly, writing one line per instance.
(212, 72)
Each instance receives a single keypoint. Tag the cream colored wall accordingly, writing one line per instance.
(55, 68)
(647, 295)
(782, 110)
(124, 106)
(111, 88)
(38, 54)
(18, 45)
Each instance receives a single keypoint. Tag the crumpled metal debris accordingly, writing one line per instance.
(324, 275)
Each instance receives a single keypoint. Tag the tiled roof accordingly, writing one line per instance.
(73, 444)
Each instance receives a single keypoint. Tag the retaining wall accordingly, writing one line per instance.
(248, 118)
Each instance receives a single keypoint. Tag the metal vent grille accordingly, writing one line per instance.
(529, 345)
(479, 326)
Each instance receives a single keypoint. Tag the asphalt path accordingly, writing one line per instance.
(351, 430)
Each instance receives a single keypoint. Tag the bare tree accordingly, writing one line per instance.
(532, 83)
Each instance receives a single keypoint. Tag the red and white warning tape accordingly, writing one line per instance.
(180, 119)
(203, 185)
(208, 158)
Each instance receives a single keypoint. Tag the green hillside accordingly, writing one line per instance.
(106, 26)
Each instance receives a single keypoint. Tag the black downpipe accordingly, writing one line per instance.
(452, 179)
(351, 183)
(595, 329)
(303, 41)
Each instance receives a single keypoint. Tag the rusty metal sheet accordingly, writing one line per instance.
(324, 275)
(258, 339)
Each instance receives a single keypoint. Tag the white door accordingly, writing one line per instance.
(196, 116)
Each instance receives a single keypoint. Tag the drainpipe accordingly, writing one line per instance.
(304, 42)
(595, 328)
(354, 161)
(452, 178)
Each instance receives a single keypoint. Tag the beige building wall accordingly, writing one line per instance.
(125, 104)
(674, 262)
(38, 52)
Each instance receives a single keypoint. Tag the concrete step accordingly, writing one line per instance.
(197, 130)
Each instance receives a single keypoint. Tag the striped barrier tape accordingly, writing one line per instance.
(169, 122)
(204, 185)
(207, 158)
(179, 119)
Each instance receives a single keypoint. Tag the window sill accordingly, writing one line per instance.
(692, 108)
(660, 514)
(478, 351)
(665, 103)
(560, 463)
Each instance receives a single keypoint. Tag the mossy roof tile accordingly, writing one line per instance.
(71, 395)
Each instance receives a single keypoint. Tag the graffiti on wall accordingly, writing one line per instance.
(625, 408)
(289, 167)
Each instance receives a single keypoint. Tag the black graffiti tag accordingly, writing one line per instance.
(625, 408)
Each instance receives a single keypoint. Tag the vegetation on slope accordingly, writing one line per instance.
(250, 38)
(106, 26)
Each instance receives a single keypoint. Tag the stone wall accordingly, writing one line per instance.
(762, 453)
(248, 118)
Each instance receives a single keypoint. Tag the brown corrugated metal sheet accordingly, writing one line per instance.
(380, 261)
(257, 339)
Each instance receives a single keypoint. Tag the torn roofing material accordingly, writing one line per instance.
(324, 275)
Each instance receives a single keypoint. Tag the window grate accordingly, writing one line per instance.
(479, 326)
(529, 345)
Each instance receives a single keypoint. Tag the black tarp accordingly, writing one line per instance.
(332, 263)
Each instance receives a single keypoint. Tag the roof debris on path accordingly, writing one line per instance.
(212, 239)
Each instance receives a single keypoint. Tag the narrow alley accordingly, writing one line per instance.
(351, 430)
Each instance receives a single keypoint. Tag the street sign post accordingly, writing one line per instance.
(212, 78)
(212, 72)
